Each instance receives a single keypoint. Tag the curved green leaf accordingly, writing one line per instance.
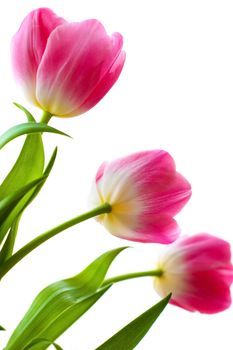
(42, 341)
(27, 128)
(30, 163)
(59, 305)
(46, 173)
(29, 116)
(129, 336)
(69, 316)
(8, 203)
(28, 167)
(8, 246)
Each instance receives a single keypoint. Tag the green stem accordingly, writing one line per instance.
(29, 247)
(131, 275)
(46, 116)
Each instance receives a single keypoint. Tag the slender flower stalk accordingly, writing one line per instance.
(131, 275)
(36, 242)
(46, 116)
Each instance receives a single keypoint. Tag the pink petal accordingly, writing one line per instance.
(28, 46)
(105, 84)
(204, 251)
(100, 171)
(145, 166)
(77, 58)
(163, 190)
(167, 195)
(210, 292)
(159, 186)
(209, 271)
(158, 229)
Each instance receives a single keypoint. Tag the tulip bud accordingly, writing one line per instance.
(65, 68)
(198, 272)
(145, 191)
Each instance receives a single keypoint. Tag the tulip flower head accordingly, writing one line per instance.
(65, 68)
(145, 191)
(198, 272)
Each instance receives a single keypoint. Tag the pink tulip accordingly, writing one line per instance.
(65, 68)
(145, 192)
(198, 272)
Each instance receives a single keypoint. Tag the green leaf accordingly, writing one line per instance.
(7, 249)
(51, 163)
(129, 336)
(45, 174)
(29, 116)
(69, 316)
(42, 340)
(2, 329)
(9, 243)
(8, 203)
(59, 305)
(28, 167)
(27, 128)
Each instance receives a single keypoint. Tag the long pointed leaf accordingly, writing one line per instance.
(28, 167)
(27, 128)
(8, 246)
(68, 317)
(45, 174)
(7, 204)
(9, 243)
(129, 336)
(60, 304)
(29, 116)
(42, 341)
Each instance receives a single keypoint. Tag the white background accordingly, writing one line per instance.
(175, 93)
